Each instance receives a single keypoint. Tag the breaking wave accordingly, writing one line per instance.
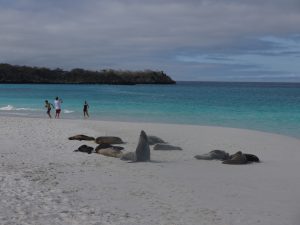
(12, 108)
(68, 111)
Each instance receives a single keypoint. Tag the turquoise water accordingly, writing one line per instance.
(271, 107)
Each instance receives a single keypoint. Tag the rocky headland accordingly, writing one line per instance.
(37, 75)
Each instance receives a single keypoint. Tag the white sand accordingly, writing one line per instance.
(44, 182)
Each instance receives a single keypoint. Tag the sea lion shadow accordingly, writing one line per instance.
(149, 161)
(157, 161)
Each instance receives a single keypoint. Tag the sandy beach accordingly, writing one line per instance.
(44, 182)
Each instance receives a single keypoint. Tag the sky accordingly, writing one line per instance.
(193, 40)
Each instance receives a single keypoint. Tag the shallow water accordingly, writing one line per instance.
(271, 107)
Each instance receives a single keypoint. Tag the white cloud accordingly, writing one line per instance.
(133, 34)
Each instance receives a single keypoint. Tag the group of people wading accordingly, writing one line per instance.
(57, 105)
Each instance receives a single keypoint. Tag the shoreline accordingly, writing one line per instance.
(43, 180)
(249, 106)
(141, 121)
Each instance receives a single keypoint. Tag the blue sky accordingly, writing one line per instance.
(210, 40)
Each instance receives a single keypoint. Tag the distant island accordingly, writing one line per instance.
(37, 75)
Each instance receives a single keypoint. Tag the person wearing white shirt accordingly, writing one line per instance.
(57, 105)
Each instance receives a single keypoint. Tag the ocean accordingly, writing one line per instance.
(270, 107)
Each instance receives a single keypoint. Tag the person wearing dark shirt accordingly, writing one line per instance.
(48, 105)
(85, 109)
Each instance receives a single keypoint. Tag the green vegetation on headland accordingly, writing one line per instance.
(36, 75)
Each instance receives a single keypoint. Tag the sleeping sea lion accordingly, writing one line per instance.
(84, 148)
(214, 154)
(128, 156)
(81, 137)
(111, 152)
(166, 147)
(152, 140)
(109, 140)
(251, 158)
(236, 159)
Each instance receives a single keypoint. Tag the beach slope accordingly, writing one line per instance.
(44, 182)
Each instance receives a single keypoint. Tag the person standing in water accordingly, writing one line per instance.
(48, 106)
(57, 104)
(85, 109)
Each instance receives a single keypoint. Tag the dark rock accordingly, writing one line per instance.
(152, 140)
(214, 154)
(81, 137)
(85, 148)
(142, 151)
(166, 147)
(109, 140)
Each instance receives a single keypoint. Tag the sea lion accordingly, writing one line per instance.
(128, 156)
(152, 140)
(111, 152)
(214, 154)
(251, 158)
(84, 148)
(81, 137)
(166, 147)
(236, 159)
(142, 151)
(105, 145)
(109, 140)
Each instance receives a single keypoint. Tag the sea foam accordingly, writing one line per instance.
(7, 108)
(68, 111)
(12, 108)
